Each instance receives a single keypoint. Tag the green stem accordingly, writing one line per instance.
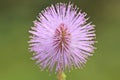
(61, 75)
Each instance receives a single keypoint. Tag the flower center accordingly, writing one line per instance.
(61, 38)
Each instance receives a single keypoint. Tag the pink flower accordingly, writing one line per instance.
(61, 38)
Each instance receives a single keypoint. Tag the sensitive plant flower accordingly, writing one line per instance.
(61, 38)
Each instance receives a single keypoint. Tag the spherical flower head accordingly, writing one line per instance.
(61, 38)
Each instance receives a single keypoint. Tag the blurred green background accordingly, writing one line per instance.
(16, 18)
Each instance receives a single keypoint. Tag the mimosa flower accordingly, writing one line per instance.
(61, 38)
